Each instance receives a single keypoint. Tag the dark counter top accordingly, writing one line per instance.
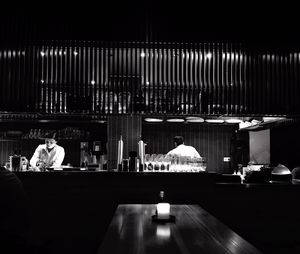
(209, 177)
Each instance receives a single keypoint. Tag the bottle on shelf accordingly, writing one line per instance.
(132, 161)
(141, 158)
(120, 154)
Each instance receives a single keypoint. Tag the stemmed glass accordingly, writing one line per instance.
(158, 162)
(167, 162)
(151, 162)
(147, 161)
(163, 161)
(202, 164)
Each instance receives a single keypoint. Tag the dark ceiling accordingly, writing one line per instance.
(190, 21)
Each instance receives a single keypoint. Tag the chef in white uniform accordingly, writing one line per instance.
(48, 155)
(181, 149)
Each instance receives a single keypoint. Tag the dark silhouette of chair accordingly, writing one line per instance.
(14, 217)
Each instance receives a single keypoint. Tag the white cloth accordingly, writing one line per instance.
(54, 158)
(183, 150)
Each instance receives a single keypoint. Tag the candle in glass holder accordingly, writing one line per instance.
(163, 210)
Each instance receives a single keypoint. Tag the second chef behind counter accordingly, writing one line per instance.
(49, 154)
(182, 150)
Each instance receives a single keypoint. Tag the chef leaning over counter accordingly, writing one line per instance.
(49, 154)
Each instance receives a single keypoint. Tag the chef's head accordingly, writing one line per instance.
(178, 140)
(50, 139)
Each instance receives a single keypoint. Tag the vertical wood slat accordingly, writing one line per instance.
(172, 77)
(272, 83)
(230, 79)
(214, 77)
(287, 82)
(261, 82)
(183, 78)
(282, 82)
(236, 85)
(251, 81)
(209, 82)
(131, 79)
(191, 89)
(296, 81)
(150, 79)
(144, 76)
(226, 79)
(176, 77)
(126, 78)
(292, 82)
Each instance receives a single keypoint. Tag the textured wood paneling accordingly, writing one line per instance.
(211, 141)
(153, 78)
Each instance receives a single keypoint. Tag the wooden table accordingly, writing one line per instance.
(194, 231)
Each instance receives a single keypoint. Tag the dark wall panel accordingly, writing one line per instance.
(285, 145)
(130, 129)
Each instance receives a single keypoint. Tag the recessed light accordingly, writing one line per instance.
(270, 119)
(194, 119)
(153, 120)
(233, 120)
(214, 120)
(175, 120)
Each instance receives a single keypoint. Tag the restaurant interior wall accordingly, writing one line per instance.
(213, 141)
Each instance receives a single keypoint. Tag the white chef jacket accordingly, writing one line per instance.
(54, 158)
(183, 150)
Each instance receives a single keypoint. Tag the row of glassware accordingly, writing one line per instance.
(174, 163)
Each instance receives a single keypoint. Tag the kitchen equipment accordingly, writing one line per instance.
(18, 163)
(281, 174)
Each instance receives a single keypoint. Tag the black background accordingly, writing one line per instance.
(253, 22)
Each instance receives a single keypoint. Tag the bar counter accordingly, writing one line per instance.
(76, 207)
